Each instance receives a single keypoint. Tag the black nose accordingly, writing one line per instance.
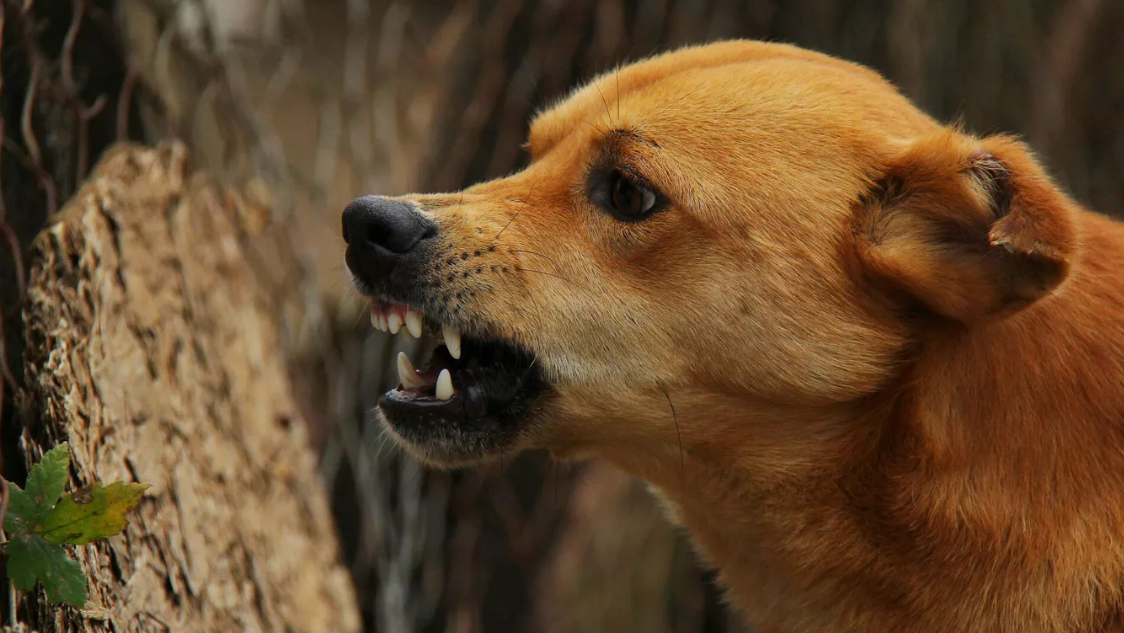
(389, 227)
(385, 242)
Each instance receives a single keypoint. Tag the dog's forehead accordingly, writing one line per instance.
(730, 78)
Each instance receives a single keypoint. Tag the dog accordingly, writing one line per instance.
(874, 364)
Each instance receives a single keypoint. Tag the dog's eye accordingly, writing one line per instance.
(628, 198)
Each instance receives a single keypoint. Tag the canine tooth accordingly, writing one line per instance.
(382, 322)
(444, 385)
(414, 323)
(407, 375)
(394, 322)
(452, 340)
(374, 319)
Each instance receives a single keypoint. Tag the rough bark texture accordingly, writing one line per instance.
(150, 348)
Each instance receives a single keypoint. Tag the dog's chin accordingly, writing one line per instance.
(441, 439)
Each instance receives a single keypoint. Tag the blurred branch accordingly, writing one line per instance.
(1063, 52)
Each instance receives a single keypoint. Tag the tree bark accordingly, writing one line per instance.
(152, 350)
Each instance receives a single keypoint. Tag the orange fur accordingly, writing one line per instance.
(874, 364)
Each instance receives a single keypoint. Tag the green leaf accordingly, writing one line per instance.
(47, 479)
(22, 512)
(94, 512)
(45, 484)
(30, 558)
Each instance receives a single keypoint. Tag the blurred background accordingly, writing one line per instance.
(310, 103)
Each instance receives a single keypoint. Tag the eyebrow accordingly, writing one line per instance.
(628, 135)
(613, 146)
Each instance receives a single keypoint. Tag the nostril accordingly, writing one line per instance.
(346, 239)
(374, 234)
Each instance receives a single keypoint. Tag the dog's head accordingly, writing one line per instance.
(703, 244)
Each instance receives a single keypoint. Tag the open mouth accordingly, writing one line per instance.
(470, 394)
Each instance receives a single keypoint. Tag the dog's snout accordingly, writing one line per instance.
(387, 227)
(384, 240)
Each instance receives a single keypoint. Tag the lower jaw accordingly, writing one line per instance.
(432, 434)
(445, 450)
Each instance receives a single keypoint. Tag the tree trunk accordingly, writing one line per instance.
(151, 349)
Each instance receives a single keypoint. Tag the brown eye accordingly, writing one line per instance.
(628, 198)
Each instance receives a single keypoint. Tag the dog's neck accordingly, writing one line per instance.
(976, 458)
(749, 510)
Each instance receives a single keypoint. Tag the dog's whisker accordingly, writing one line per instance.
(529, 293)
(384, 440)
(358, 319)
(419, 471)
(556, 276)
(596, 127)
(608, 114)
(617, 75)
(508, 287)
(509, 223)
(521, 207)
(678, 434)
(549, 259)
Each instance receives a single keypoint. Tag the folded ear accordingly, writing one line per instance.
(969, 228)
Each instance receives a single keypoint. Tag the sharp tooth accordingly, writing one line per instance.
(382, 322)
(452, 340)
(374, 319)
(444, 385)
(394, 321)
(414, 323)
(407, 375)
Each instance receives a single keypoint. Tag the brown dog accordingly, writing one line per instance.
(874, 364)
